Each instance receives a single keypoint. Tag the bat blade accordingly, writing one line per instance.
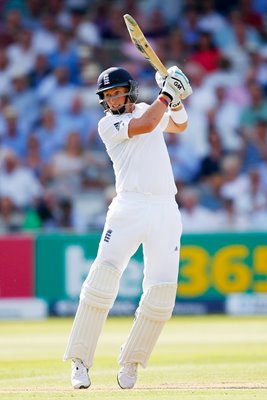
(143, 45)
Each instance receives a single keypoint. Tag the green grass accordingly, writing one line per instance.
(207, 357)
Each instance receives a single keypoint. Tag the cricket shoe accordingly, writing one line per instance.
(127, 376)
(79, 375)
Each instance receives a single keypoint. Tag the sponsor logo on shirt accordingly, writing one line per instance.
(119, 125)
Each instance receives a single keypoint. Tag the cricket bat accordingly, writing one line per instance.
(143, 46)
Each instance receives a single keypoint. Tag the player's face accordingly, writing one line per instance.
(115, 97)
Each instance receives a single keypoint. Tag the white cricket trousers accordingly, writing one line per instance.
(151, 220)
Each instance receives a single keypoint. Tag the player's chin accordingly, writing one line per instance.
(117, 108)
(120, 110)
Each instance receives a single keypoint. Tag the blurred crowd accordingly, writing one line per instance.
(54, 170)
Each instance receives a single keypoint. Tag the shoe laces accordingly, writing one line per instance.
(79, 368)
(131, 369)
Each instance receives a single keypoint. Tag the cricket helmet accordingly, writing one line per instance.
(116, 77)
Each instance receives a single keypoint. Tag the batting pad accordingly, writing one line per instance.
(97, 297)
(155, 309)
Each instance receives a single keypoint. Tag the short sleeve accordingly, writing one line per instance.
(113, 130)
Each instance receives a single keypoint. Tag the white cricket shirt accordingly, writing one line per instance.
(141, 164)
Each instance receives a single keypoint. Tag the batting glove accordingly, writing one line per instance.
(159, 79)
(170, 88)
(181, 82)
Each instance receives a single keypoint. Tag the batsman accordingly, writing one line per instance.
(144, 211)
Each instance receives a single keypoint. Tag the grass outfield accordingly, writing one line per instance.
(201, 357)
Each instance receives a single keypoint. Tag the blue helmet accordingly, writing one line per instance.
(116, 77)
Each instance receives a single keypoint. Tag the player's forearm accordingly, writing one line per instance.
(151, 117)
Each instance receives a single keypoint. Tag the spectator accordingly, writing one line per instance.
(210, 19)
(5, 80)
(78, 119)
(11, 219)
(251, 17)
(224, 76)
(189, 27)
(65, 54)
(197, 107)
(41, 70)
(24, 98)
(235, 182)
(256, 110)
(157, 26)
(18, 183)
(258, 68)
(31, 221)
(169, 10)
(33, 158)
(69, 165)
(44, 39)
(46, 208)
(210, 192)
(97, 221)
(206, 52)
(229, 219)
(211, 164)
(113, 30)
(242, 39)
(11, 27)
(176, 49)
(85, 30)
(57, 91)
(65, 214)
(50, 134)
(21, 52)
(225, 116)
(195, 217)
(255, 146)
(89, 74)
(228, 36)
(13, 135)
(185, 163)
(254, 199)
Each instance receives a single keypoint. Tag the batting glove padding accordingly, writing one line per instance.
(169, 87)
(180, 82)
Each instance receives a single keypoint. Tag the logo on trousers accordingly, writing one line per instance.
(108, 235)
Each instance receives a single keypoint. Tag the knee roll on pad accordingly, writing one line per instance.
(155, 309)
(158, 302)
(100, 287)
